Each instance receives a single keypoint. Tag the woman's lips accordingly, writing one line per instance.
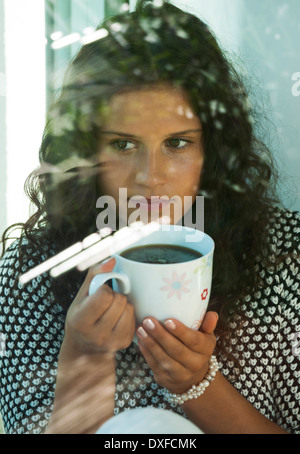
(154, 201)
(156, 207)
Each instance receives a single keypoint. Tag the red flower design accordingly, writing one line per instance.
(204, 294)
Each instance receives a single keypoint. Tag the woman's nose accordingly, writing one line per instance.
(150, 171)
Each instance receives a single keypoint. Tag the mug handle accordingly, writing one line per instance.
(102, 278)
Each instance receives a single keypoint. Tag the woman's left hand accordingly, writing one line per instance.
(177, 355)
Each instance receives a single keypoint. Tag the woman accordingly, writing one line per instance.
(153, 107)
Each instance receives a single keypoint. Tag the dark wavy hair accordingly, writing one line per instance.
(150, 46)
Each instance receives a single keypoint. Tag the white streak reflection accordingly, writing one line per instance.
(93, 249)
(66, 41)
(98, 34)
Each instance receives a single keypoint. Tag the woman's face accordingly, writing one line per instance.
(151, 145)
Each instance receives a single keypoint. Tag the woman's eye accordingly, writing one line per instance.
(177, 143)
(123, 145)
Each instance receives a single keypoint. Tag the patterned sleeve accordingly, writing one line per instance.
(31, 329)
(265, 333)
(286, 376)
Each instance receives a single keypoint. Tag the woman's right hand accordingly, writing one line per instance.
(96, 327)
(100, 323)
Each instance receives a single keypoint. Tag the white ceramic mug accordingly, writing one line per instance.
(180, 291)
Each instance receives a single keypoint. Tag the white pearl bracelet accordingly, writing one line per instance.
(195, 391)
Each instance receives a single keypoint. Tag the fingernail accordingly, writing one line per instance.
(148, 323)
(106, 261)
(98, 266)
(170, 324)
(142, 332)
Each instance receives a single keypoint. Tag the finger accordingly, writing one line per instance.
(117, 322)
(196, 341)
(163, 344)
(156, 357)
(209, 323)
(124, 329)
(88, 310)
(169, 372)
(153, 362)
(103, 267)
(110, 317)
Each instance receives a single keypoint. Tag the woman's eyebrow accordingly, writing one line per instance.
(121, 134)
(178, 133)
(124, 134)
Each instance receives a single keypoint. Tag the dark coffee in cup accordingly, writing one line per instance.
(161, 254)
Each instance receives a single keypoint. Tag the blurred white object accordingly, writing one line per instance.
(93, 249)
(148, 420)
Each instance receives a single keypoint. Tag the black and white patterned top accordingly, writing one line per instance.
(266, 345)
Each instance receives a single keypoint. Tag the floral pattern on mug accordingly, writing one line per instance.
(204, 266)
(196, 325)
(176, 285)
